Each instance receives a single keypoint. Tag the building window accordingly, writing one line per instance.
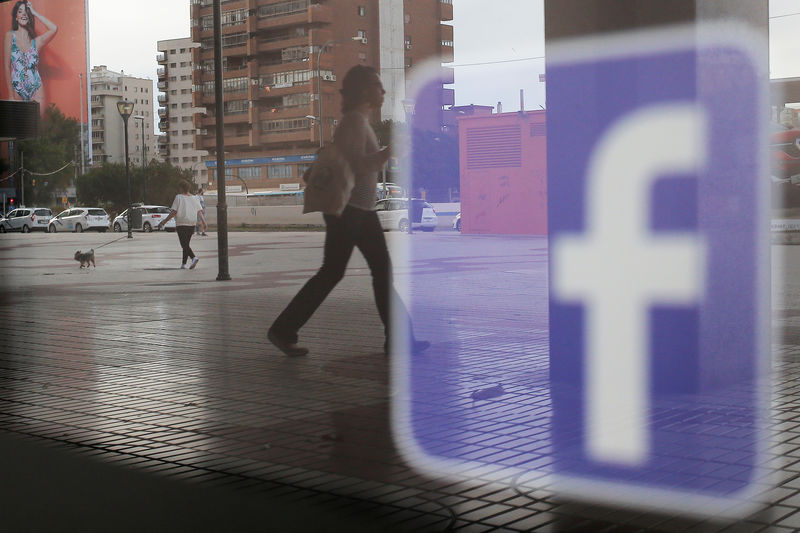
(289, 78)
(228, 173)
(301, 168)
(283, 8)
(362, 11)
(407, 18)
(363, 35)
(250, 173)
(237, 39)
(233, 18)
(279, 171)
(408, 42)
(229, 85)
(235, 107)
(284, 125)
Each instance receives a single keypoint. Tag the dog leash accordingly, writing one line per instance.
(112, 242)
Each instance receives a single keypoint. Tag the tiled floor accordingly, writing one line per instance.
(141, 365)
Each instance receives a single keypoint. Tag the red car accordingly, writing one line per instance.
(785, 153)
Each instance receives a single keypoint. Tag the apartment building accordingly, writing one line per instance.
(277, 72)
(107, 132)
(176, 114)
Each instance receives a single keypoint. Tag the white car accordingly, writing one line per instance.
(393, 214)
(26, 219)
(151, 215)
(457, 222)
(79, 219)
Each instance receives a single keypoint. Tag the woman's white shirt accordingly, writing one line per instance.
(186, 207)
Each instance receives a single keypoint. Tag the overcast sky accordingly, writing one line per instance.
(503, 33)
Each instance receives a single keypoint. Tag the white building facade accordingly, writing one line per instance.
(176, 114)
(107, 134)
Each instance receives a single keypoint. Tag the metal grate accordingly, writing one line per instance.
(494, 147)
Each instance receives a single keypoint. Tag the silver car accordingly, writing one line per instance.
(393, 214)
(26, 219)
(79, 219)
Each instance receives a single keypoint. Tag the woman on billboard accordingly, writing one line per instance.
(22, 47)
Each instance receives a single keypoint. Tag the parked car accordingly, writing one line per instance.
(457, 222)
(26, 219)
(393, 214)
(79, 219)
(151, 215)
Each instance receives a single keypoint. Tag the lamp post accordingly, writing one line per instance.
(125, 109)
(140, 118)
(319, 78)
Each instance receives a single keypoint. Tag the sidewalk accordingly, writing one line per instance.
(138, 364)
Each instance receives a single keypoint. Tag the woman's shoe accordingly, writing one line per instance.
(289, 348)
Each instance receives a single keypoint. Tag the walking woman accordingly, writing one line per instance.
(358, 225)
(186, 209)
(21, 52)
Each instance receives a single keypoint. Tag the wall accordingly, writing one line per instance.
(504, 173)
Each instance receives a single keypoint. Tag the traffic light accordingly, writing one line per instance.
(11, 202)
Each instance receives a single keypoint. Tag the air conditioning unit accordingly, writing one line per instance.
(363, 40)
(408, 46)
(329, 77)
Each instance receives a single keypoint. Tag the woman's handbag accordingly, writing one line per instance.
(329, 182)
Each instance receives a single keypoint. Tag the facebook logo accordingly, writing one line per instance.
(657, 269)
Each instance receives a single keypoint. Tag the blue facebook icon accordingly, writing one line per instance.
(657, 269)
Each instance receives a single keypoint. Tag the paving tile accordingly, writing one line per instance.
(165, 377)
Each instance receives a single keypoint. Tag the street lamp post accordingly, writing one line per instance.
(140, 118)
(319, 79)
(125, 109)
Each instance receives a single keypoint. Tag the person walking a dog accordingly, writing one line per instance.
(357, 226)
(187, 210)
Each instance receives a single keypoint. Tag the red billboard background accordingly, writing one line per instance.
(61, 60)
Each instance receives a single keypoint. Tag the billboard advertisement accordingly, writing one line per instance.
(45, 52)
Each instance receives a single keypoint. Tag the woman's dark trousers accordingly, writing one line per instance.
(354, 228)
(184, 236)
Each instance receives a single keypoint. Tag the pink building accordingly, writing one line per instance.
(503, 159)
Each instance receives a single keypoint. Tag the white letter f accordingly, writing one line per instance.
(619, 268)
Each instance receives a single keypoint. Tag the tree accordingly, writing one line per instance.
(55, 147)
(107, 186)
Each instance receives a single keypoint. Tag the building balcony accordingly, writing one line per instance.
(97, 103)
(446, 7)
(161, 57)
(163, 125)
(162, 85)
(161, 72)
(278, 44)
(210, 121)
(448, 97)
(162, 99)
(303, 135)
(448, 76)
(447, 52)
(257, 23)
(276, 91)
(162, 112)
